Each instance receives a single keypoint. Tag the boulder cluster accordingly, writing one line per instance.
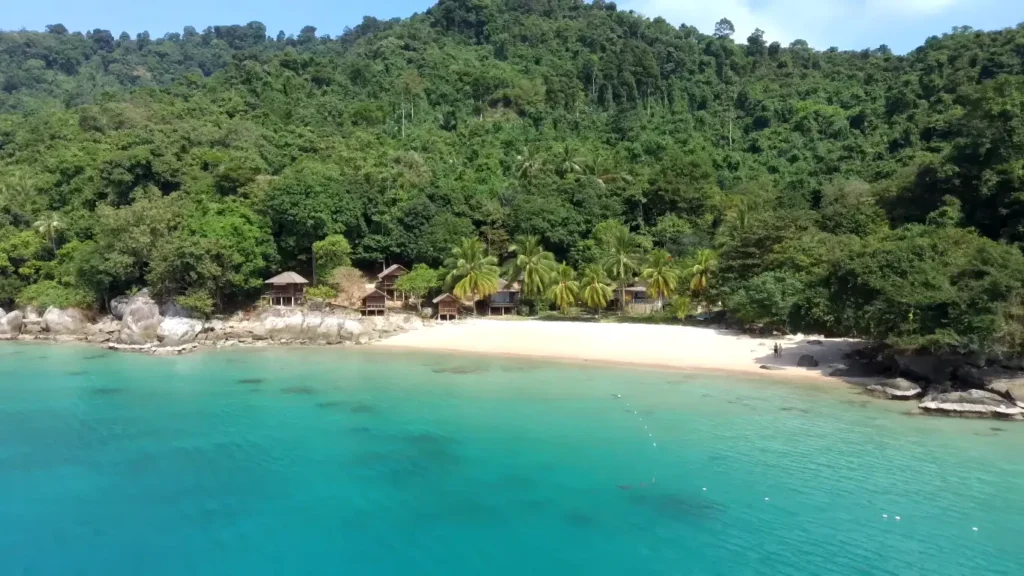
(138, 323)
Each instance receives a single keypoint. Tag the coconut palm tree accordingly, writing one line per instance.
(701, 270)
(596, 168)
(661, 275)
(531, 264)
(48, 227)
(737, 219)
(620, 260)
(569, 163)
(595, 289)
(472, 273)
(527, 164)
(565, 290)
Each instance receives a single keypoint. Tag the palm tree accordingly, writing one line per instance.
(700, 271)
(48, 227)
(737, 220)
(595, 289)
(527, 164)
(472, 273)
(531, 264)
(565, 290)
(569, 163)
(621, 254)
(596, 168)
(660, 274)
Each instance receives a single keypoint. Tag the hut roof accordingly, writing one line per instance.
(506, 286)
(445, 296)
(372, 291)
(392, 269)
(287, 278)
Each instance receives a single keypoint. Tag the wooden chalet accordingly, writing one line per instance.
(374, 303)
(286, 289)
(447, 307)
(386, 281)
(505, 300)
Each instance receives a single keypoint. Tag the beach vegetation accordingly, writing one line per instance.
(565, 290)
(472, 273)
(419, 282)
(859, 193)
(197, 302)
(531, 265)
(595, 289)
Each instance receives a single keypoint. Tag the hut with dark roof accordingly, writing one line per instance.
(386, 281)
(505, 300)
(447, 307)
(374, 303)
(286, 289)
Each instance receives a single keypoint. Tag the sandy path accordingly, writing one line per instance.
(679, 347)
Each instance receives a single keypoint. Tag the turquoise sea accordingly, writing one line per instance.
(343, 461)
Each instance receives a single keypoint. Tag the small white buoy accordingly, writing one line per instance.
(897, 518)
(975, 528)
(655, 444)
(704, 489)
(765, 499)
(651, 435)
(886, 516)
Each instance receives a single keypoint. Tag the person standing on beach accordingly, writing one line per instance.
(775, 350)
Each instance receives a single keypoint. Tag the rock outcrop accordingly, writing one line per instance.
(1012, 387)
(926, 368)
(11, 324)
(118, 305)
(61, 322)
(141, 320)
(807, 361)
(972, 403)
(178, 331)
(896, 389)
(173, 310)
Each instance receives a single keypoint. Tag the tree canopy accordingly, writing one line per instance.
(827, 182)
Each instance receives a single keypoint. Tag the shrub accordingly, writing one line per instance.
(197, 302)
(321, 292)
(49, 293)
(350, 285)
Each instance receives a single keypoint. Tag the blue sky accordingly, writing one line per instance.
(848, 24)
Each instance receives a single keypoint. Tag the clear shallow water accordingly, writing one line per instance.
(371, 462)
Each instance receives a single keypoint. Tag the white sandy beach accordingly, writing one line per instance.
(678, 347)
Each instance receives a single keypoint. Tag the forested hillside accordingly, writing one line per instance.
(857, 193)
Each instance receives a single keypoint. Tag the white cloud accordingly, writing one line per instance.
(822, 23)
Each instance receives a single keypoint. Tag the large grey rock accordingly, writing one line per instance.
(178, 331)
(11, 323)
(31, 314)
(807, 361)
(118, 305)
(972, 403)
(64, 322)
(141, 320)
(1012, 387)
(173, 310)
(284, 324)
(926, 368)
(330, 328)
(968, 376)
(350, 330)
(896, 389)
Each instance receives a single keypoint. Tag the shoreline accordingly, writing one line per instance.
(662, 347)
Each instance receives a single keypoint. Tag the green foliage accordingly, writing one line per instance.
(531, 264)
(202, 161)
(595, 288)
(197, 302)
(48, 293)
(660, 273)
(331, 253)
(471, 272)
(321, 292)
(565, 290)
(419, 281)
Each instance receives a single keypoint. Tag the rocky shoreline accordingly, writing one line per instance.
(945, 385)
(138, 324)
